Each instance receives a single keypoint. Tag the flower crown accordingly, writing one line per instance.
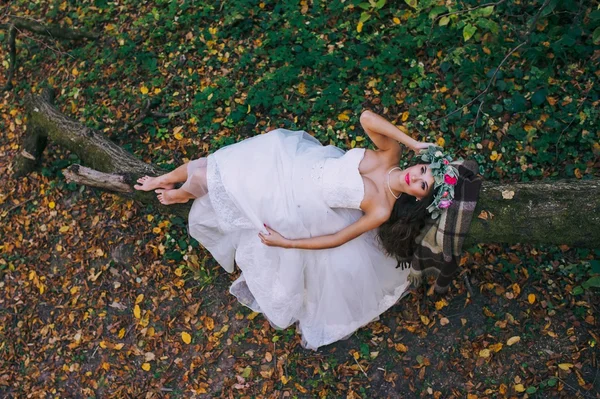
(445, 176)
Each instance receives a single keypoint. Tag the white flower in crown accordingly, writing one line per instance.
(445, 177)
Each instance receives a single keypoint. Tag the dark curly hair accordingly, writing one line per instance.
(397, 235)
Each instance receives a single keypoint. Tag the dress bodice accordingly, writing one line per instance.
(340, 180)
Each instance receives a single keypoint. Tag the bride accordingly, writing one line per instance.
(315, 230)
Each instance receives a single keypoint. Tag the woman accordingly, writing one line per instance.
(324, 267)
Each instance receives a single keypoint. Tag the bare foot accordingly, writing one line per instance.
(150, 183)
(168, 197)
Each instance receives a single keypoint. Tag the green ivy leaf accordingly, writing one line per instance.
(444, 21)
(539, 97)
(365, 6)
(364, 17)
(380, 4)
(468, 31)
(578, 290)
(412, 3)
(487, 11)
(596, 36)
(592, 282)
(436, 11)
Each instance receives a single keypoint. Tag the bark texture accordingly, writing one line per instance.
(557, 212)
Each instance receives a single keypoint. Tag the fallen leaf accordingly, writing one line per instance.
(508, 194)
(519, 388)
(185, 337)
(513, 340)
(565, 366)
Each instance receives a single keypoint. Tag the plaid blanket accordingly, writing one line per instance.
(439, 244)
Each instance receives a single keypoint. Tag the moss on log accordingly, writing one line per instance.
(555, 212)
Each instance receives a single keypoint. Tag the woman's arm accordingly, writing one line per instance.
(385, 135)
(362, 225)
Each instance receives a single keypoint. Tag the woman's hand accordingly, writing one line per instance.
(274, 239)
(421, 146)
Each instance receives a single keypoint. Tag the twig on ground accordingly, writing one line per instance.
(361, 369)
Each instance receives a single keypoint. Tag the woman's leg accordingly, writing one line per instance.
(167, 180)
(195, 185)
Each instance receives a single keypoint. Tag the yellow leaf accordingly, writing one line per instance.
(285, 380)
(496, 347)
(51, 205)
(157, 91)
(343, 117)
(565, 366)
(137, 311)
(252, 315)
(178, 272)
(484, 353)
(178, 136)
(302, 88)
(64, 229)
(119, 346)
(144, 90)
(516, 289)
(531, 298)
(146, 366)
(513, 340)
(401, 348)
(359, 138)
(63, 6)
(359, 27)
(185, 337)
(440, 141)
(519, 388)
(209, 323)
(494, 156)
(156, 230)
(405, 116)
(425, 319)
(356, 355)
(121, 333)
(396, 20)
(75, 72)
(139, 299)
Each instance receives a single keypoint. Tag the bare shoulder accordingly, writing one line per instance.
(374, 203)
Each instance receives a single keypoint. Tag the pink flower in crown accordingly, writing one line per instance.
(445, 194)
(446, 162)
(444, 204)
(450, 180)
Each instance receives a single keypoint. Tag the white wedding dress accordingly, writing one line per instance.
(300, 188)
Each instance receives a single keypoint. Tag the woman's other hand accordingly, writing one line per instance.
(274, 239)
(421, 146)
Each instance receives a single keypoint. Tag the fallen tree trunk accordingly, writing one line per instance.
(558, 212)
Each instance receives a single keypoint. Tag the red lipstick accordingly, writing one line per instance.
(407, 179)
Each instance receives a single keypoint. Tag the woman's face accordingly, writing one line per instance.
(417, 181)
